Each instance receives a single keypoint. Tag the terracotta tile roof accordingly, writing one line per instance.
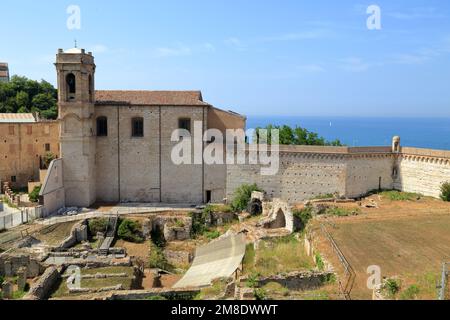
(17, 118)
(156, 98)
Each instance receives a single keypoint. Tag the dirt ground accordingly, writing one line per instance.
(55, 234)
(167, 281)
(407, 239)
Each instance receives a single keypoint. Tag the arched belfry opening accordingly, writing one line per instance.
(91, 89)
(71, 86)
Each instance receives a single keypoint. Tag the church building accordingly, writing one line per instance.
(116, 145)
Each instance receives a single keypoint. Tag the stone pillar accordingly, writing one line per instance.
(7, 289)
(22, 278)
(157, 280)
(8, 268)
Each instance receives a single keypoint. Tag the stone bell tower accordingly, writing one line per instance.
(76, 97)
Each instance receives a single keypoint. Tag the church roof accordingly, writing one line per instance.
(155, 98)
(17, 118)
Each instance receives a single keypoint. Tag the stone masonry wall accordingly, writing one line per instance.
(309, 172)
(422, 171)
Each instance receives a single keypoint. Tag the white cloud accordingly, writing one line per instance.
(177, 51)
(311, 68)
(295, 36)
(236, 44)
(354, 64)
(98, 48)
(410, 58)
(417, 13)
(208, 47)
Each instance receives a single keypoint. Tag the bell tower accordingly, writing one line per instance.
(76, 99)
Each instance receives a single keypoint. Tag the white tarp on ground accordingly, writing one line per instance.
(218, 259)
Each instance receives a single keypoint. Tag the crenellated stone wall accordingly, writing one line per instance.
(422, 171)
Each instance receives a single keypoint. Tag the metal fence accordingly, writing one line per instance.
(345, 286)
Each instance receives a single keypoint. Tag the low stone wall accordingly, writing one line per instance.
(178, 294)
(173, 227)
(10, 264)
(308, 280)
(42, 288)
(177, 257)
(100, 262)
(78, 234)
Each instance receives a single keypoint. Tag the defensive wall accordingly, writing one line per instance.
(306, 172)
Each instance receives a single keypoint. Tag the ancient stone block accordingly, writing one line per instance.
(7, 290)
(21, 278)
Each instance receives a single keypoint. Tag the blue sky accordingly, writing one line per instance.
(269, 57)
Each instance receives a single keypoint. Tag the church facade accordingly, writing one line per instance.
(116, 145)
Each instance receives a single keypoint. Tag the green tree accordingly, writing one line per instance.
(34, 195)
(286, 135)
(22, 99)
(296, 136)
(130, 231)
(242, 196)
(24, 95)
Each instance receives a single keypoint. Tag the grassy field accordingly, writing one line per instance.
(407, 238)
(276, 256)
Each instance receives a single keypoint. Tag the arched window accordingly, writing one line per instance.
(71, 86)
(137, 127)
(102, 127)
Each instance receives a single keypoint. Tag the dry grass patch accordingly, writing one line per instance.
(276, 256)
(55, 234)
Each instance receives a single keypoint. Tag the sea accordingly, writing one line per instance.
(431, 133)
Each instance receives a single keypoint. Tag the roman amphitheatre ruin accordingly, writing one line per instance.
(117, 220)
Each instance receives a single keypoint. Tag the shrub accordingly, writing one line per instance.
(2, 279)
(303, 215)
(157, 259)
(130, 231)
(260, 294)
(158, 237)
(211, 235)
(48, 158)
(319, 261)
(410, 293)
(34, 195)
(252, 280)
(445, 191)
(392, 287)
(198, 224)
(97, 225)
(242, 196)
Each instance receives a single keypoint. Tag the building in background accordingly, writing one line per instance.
(116, 145)
(26, 142)
(4, 72)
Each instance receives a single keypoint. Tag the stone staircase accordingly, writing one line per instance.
(109, 235)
